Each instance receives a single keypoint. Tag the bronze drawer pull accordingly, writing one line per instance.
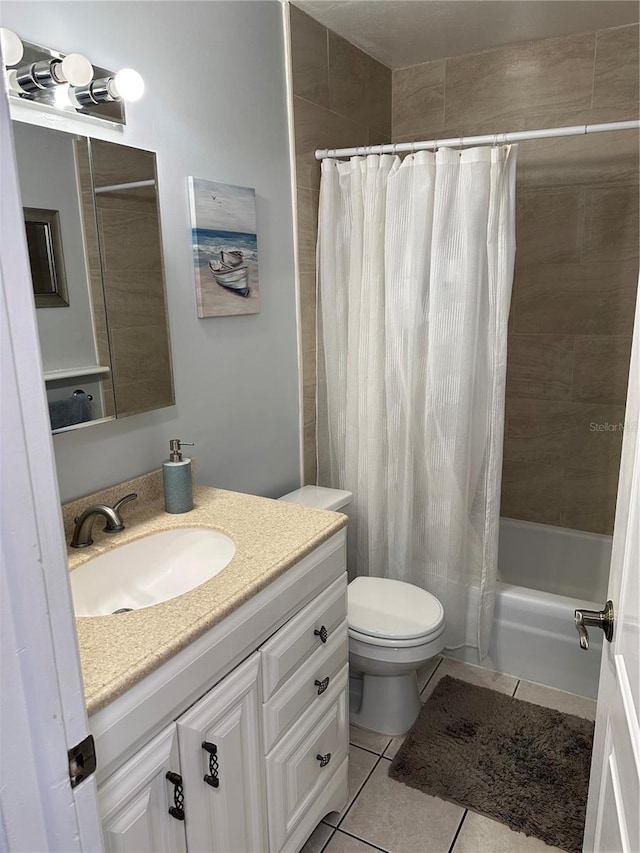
(322, 685)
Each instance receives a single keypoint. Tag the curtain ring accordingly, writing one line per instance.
(413, 147)
(495, 140)
(435, 146)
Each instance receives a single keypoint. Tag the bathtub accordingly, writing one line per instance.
(544, 574)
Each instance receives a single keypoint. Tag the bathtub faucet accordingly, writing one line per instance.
(596, 618)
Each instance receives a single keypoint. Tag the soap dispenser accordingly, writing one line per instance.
(176, 477)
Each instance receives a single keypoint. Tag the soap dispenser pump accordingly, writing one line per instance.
(176, 477)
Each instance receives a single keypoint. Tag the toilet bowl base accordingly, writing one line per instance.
(390, 703)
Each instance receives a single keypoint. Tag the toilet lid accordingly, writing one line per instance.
(380, 607)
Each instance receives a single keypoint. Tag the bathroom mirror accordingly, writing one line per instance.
(93, 233)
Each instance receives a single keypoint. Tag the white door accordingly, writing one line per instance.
(613, 824)
(43, 712)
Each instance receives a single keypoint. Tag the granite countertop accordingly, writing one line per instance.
(118, 651)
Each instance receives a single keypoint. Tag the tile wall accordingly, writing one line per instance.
(577, 234)
(577, 254)
(341, 97)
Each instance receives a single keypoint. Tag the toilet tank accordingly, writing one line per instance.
(320, 497)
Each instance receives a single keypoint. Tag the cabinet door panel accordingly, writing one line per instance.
(135, 801)
(230, 817)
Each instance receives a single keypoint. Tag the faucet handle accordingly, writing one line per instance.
(115, 525)
(125, 500)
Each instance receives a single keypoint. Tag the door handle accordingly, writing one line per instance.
(595, 618)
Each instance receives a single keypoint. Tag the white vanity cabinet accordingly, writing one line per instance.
(257, 759)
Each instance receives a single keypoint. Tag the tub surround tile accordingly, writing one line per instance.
(549, 697)
(611, 225)
(597, 159)
(579, 299)
(348, 78)
(480, 833)
(540, 366)
(361, 763)
(535, 430)
(518, 79)
(601, 372)
(115, 655)
(309, 58)
(589, 500)
(418, 100)
(310, 459)
(531, 491)
(378, 114)
(317, 127)
(593, 438)
(308, 312)
(308, 201)
(615, 79)
(549, 226)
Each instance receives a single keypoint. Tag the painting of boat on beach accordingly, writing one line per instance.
(225, 248)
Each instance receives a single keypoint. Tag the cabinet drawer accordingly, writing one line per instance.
(302, 691)
(295, 774)
(285, 652)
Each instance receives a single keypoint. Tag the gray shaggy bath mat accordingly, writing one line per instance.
(515, 762)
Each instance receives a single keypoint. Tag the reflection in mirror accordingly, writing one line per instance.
(46, 257)
(107, 354)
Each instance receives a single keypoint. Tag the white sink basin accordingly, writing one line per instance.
(150, 570)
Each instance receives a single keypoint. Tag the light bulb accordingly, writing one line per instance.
(12, 49)
(127, 85)
(76, 70)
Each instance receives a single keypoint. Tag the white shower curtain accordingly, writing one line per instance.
(415, 267)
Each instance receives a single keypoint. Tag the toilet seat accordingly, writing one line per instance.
(387, 612)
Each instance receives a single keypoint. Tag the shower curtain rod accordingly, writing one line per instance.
(486, 139)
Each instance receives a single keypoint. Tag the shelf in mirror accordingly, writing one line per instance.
(75, 372)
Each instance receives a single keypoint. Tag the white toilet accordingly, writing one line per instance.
(394, 628)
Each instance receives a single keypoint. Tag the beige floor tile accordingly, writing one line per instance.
(481, 835)
(392, 750)
(318, 839)
(342, 843)
(372, 741)
(397, 818)
(361, 764)
(568, 703)
(473, 674)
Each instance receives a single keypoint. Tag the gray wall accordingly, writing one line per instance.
(47, 170)
(214, 107)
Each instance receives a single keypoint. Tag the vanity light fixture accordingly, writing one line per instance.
(126, 85)
(39, 78)
(12, 47)
(74, 69)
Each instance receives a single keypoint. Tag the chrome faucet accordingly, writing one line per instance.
(84, 522)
